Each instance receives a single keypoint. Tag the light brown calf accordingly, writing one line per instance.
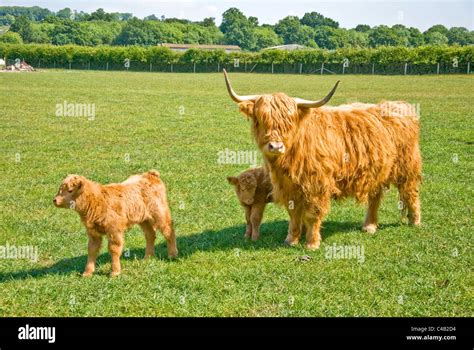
(112, 209)
(253, 188)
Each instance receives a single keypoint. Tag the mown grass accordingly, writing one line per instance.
(177, 123)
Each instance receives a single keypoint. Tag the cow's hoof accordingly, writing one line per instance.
(255, 238)
(371, 228)
(86, 274)
(290, 243)
(312, 246)
(114, 274)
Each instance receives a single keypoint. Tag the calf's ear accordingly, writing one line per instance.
(233, 180)
(246, 108)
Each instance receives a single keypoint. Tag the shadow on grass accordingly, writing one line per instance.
(272, 236)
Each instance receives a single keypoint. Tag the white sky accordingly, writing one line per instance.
(418, 13)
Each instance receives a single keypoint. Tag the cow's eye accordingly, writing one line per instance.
(70, 191)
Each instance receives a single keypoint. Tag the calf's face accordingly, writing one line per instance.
(69, 190)
(245, 186)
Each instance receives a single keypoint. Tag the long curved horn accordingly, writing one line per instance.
(232, 93)
(313, 104)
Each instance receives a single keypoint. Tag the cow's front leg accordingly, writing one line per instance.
(312, 220)
(294, 227)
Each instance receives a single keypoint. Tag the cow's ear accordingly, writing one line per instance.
(233, 180)
(246, 108)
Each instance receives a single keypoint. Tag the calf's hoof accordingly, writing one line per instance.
(173, 254)
(255, 237)
(371, 228)
(87, 274)
(115, 274)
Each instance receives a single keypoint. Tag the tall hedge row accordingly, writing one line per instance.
(161, 55)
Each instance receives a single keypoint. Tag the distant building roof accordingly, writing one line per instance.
(184, 47)
(289, 47)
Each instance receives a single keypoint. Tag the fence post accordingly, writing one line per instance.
(89, 66)
(405, 69)
(373, 68)
(437, 68)
(107, 65)
(468, 67)
(171, 67)
(301, 68)
(322, 68)
(272, 67)
(246, 67)
(150, 66)
(54, 65)
(69, 65)
(343, 68)
(194, 67)
(218, 67)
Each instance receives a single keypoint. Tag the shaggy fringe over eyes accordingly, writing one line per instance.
(247, 181)
(278, 113)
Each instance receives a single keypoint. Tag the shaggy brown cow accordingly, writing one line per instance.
(316, 153)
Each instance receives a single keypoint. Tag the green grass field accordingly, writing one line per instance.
(177, 123)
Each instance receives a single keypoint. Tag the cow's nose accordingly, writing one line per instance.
(275, 146)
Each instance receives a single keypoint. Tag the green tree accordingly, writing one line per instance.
(266, 37)
(315, 19)
(292, 31)
(384, 36)
(238, 29)
(436, 38)
(137, 32)
(363, 28)
(65, 13)
(11, 38)
(22, 26)
(459, 35)
(438, 28)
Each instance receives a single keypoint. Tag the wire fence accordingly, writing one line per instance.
(272, 68)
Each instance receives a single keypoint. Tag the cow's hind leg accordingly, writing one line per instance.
(371, 218)
(410, 200)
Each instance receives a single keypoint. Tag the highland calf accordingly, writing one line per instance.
(254, 190)
(316, 153)
(112, 209)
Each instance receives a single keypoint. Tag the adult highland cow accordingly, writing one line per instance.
(316, 153)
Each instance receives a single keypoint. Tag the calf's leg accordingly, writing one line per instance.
(248, 229)
(116, 241)
(93, 248)
(150, 236)
(256, 219)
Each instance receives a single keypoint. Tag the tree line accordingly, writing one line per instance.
(384, 55)
(313, 30)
